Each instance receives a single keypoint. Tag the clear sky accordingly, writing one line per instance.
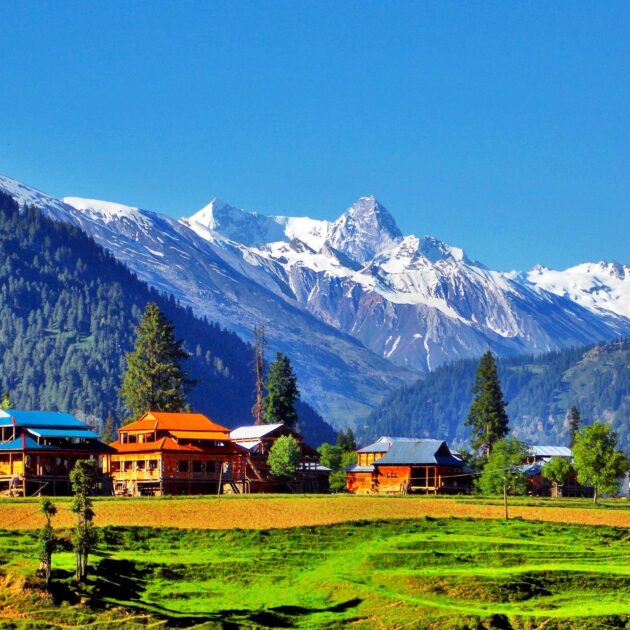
(499, 127)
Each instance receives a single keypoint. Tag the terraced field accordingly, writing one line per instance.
(426, 573)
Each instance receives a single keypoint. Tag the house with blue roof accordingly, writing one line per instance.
(38, 449)
(537, 484)
(408, 465)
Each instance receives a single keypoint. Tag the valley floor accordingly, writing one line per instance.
(424, 573)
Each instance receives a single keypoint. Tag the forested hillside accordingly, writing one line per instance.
(538, 390)
(68, 311)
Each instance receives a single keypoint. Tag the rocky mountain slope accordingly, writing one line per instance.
(342, 378)
(68, 311)
(359, 307)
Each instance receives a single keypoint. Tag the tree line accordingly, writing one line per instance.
(538, 390)
(68, 310)
(498, 458)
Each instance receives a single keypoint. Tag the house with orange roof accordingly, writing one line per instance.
(175, 453)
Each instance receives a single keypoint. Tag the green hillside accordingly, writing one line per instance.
(538, 390)
(68, 311)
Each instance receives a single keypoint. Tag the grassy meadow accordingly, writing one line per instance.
(408, 573)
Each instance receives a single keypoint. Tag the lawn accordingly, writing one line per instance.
(424, 573)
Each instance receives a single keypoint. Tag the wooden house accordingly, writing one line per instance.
(258, 441)
(38, 449)
(175, 453)
(533, 466)
(408, 465)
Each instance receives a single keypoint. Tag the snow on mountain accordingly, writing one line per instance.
(236, 287)
(26, 195)
(364, 230)
(221, 220)
(352, 299)
(602, 287)
(248, 228)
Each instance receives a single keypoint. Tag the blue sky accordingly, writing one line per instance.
(500, 127)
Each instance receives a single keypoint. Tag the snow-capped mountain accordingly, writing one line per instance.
(356, 304)
(602, 287)
(217, 278)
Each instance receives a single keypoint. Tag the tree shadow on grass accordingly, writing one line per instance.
(122, 583)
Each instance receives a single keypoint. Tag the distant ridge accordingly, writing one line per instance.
(538, 390)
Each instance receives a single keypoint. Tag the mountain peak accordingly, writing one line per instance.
(247, 228)
(364, 230)
(207, 215)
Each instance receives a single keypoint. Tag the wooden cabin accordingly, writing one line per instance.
(361, 478)
(258, 441)
(537, 485)
(408, 465)
(38, 449)
(175, 453)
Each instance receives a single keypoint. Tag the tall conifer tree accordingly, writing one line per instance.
(487, 415)
(573, 416)
(155, 379)
(282, 393)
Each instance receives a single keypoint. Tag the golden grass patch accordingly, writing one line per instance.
(261, 512)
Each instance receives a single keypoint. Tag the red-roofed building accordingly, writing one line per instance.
(175, 453)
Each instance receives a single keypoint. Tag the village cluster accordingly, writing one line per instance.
(187, 453)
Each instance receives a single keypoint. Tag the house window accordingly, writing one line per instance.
(140, 465)
(153, 464)
(211, 467)
(115, 467)
(127, 466)
(182, 466)
(196, 466)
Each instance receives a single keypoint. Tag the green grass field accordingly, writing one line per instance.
(428, 573)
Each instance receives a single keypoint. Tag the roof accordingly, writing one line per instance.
(50, 419)
(167, 421)
(63, 433)
(531, 470)
(383, 444)
(169, 444)
(355, 468)
(20, 444)
(27, 443)
(551, 451)
(254, 431)
(416, 452)
(200, 435)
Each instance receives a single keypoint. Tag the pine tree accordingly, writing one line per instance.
(487, 415)
(155, 380)
(573, 417)
(282, 393)
(346, 441)
(260, 343)
(108, 428)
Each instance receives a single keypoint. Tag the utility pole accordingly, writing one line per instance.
(260, 343)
